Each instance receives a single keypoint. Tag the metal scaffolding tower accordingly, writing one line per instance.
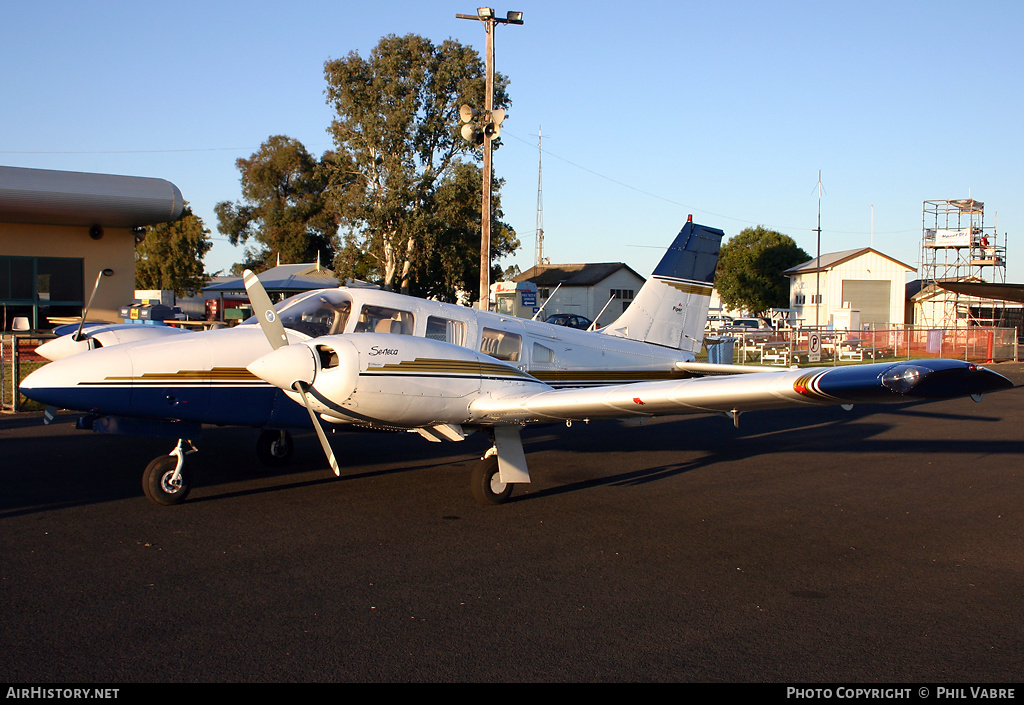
(956, 246)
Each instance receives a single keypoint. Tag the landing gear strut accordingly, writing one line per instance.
(274, 448)
(501, 468)
(165, 481)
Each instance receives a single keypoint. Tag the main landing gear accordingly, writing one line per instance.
(501, 468)
(274, 448)
(486, 482)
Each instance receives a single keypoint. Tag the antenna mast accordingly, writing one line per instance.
(540, 199)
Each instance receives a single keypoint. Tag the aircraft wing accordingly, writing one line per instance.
(874, 383)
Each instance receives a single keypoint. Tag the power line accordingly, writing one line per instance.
(129, 151)
(691, 209)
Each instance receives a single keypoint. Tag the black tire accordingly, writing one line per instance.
(156, 481)
(274, 448)
(487, 488)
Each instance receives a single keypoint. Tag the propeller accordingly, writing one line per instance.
(280, 367)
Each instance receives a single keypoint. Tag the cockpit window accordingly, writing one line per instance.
(319, 313)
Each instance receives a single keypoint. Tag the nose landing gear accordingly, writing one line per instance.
(165, 480)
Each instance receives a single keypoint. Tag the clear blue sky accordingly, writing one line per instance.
(650, 111)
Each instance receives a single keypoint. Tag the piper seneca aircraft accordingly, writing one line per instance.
(366, 358)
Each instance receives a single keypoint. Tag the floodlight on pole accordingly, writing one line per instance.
(491, 129)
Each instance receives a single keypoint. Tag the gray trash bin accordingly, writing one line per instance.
(720, 350)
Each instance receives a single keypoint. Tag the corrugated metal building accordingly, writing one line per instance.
(861, 279)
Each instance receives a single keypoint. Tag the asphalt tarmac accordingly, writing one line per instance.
(883, 544)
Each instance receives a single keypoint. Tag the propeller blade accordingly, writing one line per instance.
(264, 310)
(319, 430)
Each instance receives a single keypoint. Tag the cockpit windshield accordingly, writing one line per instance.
(323, 312)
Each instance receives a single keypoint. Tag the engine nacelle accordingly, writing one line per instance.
(389, 380)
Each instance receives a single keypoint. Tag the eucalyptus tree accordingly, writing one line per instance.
(284, 206)
(401, 175)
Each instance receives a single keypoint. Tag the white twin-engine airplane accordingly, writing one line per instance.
(374, 359)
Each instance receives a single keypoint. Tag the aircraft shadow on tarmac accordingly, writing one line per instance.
(83, 468)
(714, 440)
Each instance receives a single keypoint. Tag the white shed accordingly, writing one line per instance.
(600, 292)
(861, 280)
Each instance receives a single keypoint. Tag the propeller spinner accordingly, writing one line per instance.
(290, 369)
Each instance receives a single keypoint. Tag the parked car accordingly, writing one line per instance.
(716, 321)
(569, 320)
(750, 325)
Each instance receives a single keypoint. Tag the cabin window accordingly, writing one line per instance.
(378, 319)
(501, 344)
(542, 354)
(446, 330)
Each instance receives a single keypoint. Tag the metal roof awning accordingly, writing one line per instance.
(283, 278)
(73, 198)
(985, 290)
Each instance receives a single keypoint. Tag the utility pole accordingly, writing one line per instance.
(817, 283)
(492, 121)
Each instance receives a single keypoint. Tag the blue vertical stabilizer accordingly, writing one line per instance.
(672, 307)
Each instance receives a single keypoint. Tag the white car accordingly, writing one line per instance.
(716, 321)
(750, 324)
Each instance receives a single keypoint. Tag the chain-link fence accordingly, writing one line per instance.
(788, 347)
(18, 358)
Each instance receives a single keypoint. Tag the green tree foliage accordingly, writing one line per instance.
(283, 208)
(750, 270)
(171, 256)
(400, 182)
(450, 242)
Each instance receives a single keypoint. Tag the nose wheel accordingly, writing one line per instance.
(165, 480)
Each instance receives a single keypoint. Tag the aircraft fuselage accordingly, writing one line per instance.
(201, 377)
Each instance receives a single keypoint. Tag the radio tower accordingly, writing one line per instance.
(540, 199)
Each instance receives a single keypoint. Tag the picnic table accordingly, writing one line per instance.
(854, 349)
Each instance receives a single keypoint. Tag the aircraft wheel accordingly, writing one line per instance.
(274, 448)
(156, 481)
(487, 487)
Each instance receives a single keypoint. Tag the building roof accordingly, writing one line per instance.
(551, 275)
(51, 197)
(283, 278)
(834, 259)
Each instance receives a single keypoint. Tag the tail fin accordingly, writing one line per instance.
(672, 306)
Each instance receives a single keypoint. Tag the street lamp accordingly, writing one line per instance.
(486, 16)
